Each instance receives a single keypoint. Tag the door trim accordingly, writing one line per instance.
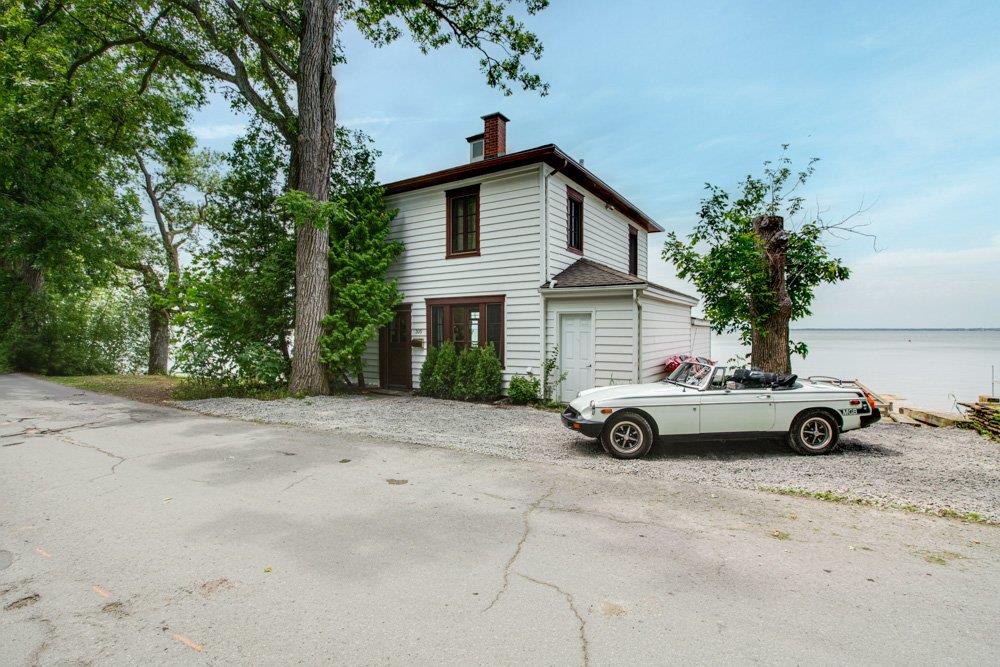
(592, 312)
(383, 350)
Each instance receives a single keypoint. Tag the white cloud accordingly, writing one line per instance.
(916, 288)
(907, 288)
(214, 131)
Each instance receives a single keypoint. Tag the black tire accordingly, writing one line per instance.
(627, 435)
(814, 432)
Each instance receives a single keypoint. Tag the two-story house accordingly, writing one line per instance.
(529, 251)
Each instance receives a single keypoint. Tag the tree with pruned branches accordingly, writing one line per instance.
(755, 275)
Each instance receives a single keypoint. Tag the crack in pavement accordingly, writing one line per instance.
(114, 468)
(581, 623)
(526, 518)
(579, 510)
(32, 431)
(298, 481)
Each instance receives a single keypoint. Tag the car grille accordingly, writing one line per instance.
(570, 413)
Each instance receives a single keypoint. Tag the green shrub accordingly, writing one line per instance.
(443, 378)
(523, 390)
(552, 378)
(427, 387)
(487, 376)
(465, 375)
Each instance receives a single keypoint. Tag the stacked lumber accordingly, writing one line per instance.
(934, 418)
(984, 417)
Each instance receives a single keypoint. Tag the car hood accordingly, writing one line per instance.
(604, 394)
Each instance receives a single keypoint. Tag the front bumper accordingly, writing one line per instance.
(868, 420)
(571, 419)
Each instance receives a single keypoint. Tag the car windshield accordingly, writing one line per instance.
(690, 374)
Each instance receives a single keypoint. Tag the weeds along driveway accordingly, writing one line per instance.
(940, 470)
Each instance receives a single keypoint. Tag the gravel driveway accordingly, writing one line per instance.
(888, 464)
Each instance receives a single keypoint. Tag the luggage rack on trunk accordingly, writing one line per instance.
(884, 402)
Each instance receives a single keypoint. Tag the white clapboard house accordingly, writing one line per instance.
(528, 251)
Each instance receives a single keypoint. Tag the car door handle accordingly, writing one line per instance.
(763, 396)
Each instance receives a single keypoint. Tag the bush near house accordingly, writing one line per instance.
(524, 390)
(474, 374)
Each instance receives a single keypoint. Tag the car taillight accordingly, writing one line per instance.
(855, 401)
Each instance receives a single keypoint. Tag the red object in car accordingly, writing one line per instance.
(675, 360)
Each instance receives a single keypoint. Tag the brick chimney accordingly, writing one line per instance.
(494, 135)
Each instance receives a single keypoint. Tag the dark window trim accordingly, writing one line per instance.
(482, 302)
(449, 196)
(633, 242)
(573, 196)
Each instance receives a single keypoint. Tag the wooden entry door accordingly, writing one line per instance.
(396, 371)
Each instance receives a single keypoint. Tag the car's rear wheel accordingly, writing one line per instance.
(627, 435)
(814, 432)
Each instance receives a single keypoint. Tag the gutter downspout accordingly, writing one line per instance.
(637, 346)
(544, 263)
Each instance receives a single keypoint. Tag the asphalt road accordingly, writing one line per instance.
(131, 533)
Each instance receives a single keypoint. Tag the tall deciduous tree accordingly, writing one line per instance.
(176, 181)
(755, 275)
(279, 57)
(66, 122)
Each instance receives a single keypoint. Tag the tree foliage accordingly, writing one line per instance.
(725, 259)
(277, 58)
(64, 133)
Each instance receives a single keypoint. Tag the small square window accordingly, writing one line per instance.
(476, 149)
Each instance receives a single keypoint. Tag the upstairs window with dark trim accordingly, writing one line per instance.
(462, 234)
(466, 321)
(633, 251)
(574, 221)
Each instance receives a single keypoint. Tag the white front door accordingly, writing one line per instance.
(576, 353)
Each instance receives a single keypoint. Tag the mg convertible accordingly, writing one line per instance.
(700, 400)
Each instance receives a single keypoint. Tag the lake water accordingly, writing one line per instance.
(927, 368)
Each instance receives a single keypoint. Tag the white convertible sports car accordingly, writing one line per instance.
(705, 401)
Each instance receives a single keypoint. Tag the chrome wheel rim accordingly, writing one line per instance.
(626, 436)
(816, 433)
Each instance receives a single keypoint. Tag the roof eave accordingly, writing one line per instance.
(549, 154)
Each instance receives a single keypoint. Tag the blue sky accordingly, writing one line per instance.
(900, 100)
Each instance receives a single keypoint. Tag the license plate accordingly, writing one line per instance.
(849, 411)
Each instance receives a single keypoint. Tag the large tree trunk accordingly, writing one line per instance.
(317, 115)
(769, 343)
(33, 277)
(159, 341)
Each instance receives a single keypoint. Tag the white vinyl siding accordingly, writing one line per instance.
(614, 334)
(508, 263)
(701, 339)
(666, 330)
(605, 231)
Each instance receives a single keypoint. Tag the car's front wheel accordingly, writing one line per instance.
(814, 432)
(627, 435)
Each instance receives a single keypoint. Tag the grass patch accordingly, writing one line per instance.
(196, 390)
(830, 497)
(781, 535)
(162, 388)
(145, 388)
(941, 557)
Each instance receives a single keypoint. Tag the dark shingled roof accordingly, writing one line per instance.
(588, 273)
